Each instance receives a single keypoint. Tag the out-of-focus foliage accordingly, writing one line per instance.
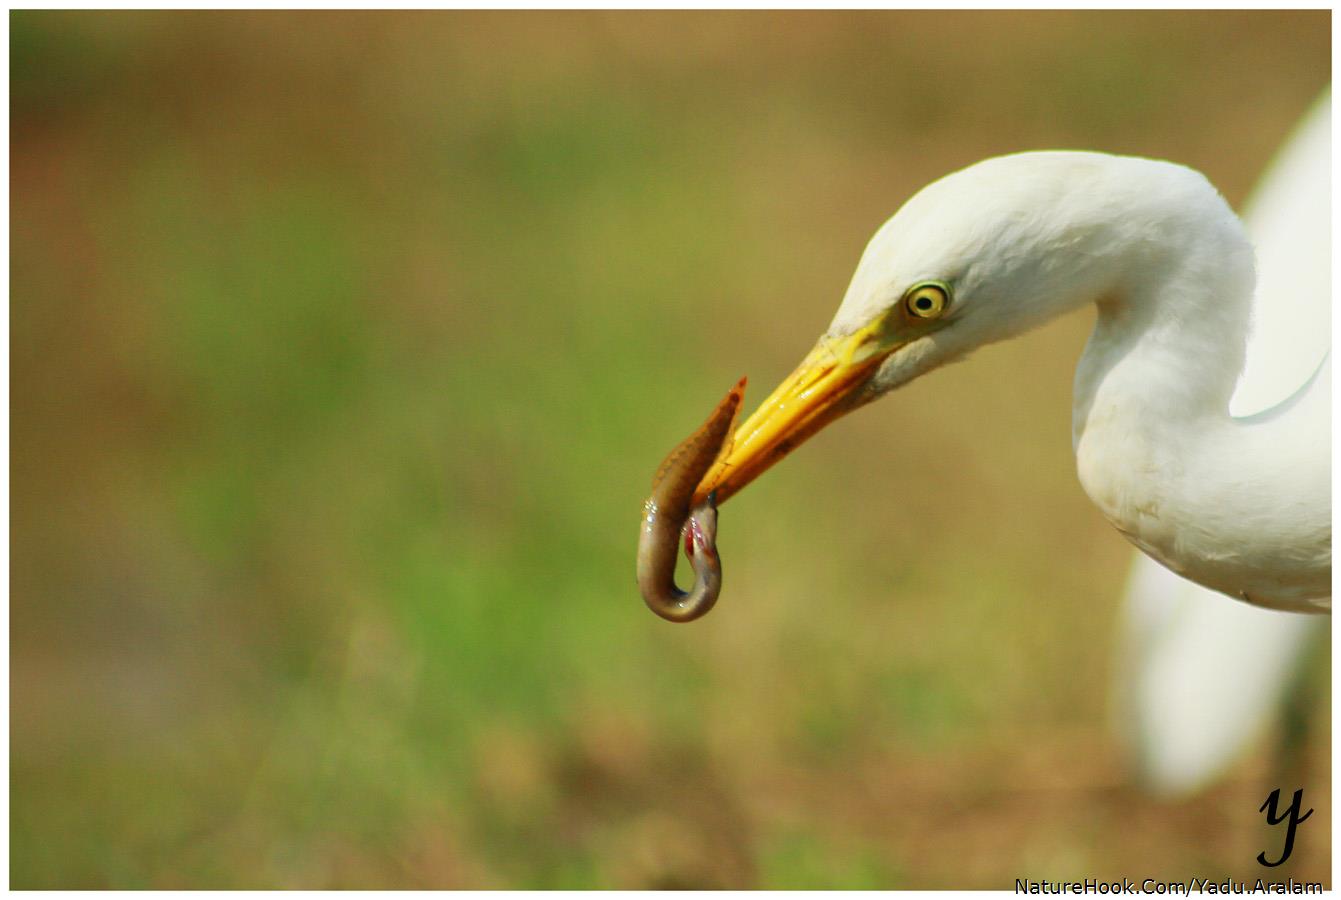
(344, 347)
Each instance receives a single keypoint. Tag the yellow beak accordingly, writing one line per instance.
(825, 386)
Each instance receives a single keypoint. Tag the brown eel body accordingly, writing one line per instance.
(667, 514)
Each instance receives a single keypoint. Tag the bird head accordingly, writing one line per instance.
(978, 256)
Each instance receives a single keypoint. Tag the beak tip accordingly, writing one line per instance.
(827, 385)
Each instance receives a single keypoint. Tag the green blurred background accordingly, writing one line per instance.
(344, 347)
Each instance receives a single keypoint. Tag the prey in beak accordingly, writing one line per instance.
(830, 382)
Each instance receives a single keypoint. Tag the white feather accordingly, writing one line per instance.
(1241, 505)
(1199, 679)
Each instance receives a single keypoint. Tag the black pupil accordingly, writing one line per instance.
(924, 302)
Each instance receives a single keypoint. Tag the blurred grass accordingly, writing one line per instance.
(343, 347)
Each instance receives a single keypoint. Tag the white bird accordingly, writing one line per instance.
(1199, 679)
(1240, 505)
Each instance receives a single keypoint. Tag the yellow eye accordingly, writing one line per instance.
(927, 300)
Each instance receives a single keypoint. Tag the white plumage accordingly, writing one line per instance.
(1198, 679)
(1241, 505)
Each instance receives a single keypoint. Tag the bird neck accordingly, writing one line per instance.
(1157, 363)
(1151, 380)
(1155, 444)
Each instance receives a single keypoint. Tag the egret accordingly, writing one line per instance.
(1197, 678)
(1239, 504)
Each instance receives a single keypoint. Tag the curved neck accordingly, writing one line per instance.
(1217, 499)
(1164, 354)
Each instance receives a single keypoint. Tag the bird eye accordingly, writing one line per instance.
(927, 300)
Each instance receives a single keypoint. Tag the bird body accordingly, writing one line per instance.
(1241, 505)
(1197, 679)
